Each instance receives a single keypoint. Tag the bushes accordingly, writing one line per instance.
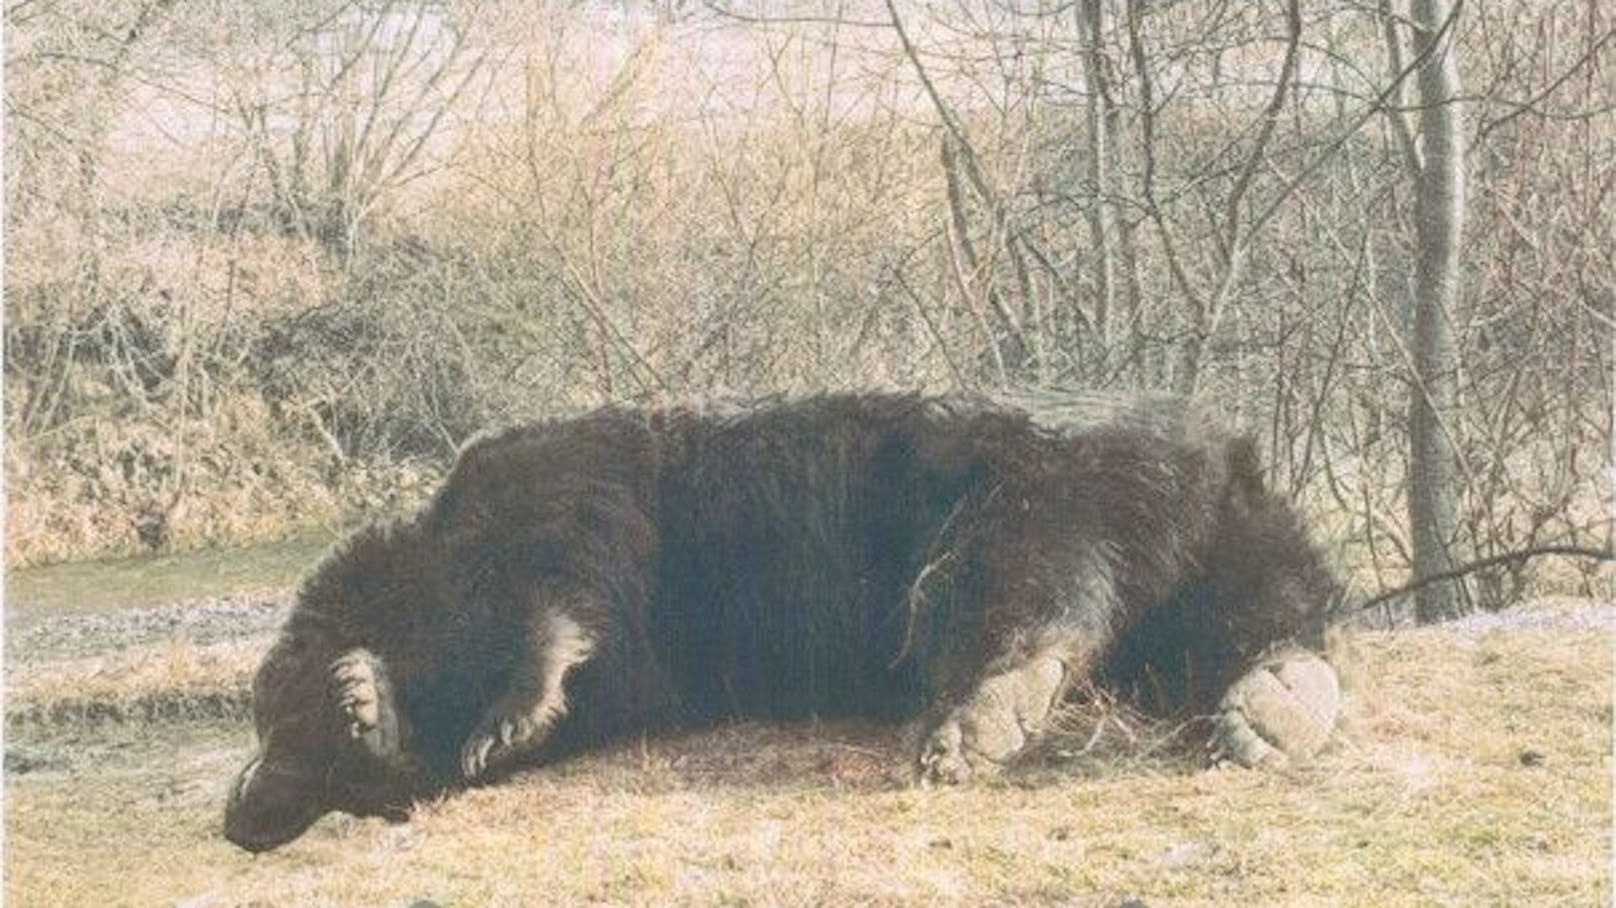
(304, 298)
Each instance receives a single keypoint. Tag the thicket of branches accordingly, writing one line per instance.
(273, 263)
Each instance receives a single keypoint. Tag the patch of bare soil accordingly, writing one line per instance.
(43, 640)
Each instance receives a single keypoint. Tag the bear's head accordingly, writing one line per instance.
(330, 737)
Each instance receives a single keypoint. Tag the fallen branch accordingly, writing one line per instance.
(1575, 551)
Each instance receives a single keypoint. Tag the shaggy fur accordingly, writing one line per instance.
(963, 560)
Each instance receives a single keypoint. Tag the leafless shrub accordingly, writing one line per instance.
(372, 228)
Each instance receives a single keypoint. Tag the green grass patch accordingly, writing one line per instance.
(147, 580)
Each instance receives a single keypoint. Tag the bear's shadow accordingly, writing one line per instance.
(1086, 742)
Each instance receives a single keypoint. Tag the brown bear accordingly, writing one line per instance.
(959, 560)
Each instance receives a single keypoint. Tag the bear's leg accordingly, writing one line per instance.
(534, 701)
(996, 720)
(1273, 594)
(1283, 710)
(1039, 631)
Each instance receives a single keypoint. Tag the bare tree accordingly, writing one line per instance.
(1439, 225)
(262, 255)
(1101, 112)
(373, 89)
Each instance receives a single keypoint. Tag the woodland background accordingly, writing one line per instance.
(269, 264)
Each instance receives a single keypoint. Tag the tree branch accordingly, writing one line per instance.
(1574, 551)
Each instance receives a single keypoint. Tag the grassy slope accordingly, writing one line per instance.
(1475, 770)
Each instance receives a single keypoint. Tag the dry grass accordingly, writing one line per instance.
(177, 679)
(1475, 770)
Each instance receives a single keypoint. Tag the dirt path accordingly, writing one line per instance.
(41, 640)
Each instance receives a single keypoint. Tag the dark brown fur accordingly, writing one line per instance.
(878, 554)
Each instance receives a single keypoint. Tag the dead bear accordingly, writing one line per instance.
(961, 561)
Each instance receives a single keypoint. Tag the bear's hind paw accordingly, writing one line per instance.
(1281, 712)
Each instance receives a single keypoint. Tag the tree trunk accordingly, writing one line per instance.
(1439, 217)
(1091, 22)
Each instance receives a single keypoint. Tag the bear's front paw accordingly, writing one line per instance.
(369, 710)
(358, 681)
(942, 757)
(994, 724)
(973, 740)
(1279, 713)
(495, 739)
